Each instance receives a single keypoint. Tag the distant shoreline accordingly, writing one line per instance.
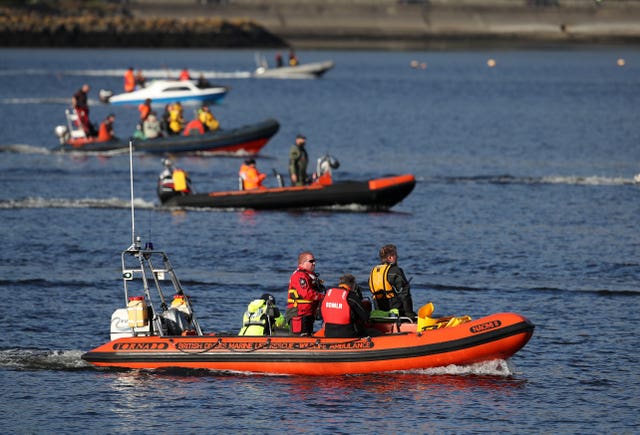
(403, 27)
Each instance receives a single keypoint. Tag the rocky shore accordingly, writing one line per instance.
(324, 24)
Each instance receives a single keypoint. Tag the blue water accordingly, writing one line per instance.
(525, 202)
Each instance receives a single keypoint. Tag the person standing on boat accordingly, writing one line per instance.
(106, 129)
(250, 177)
(389, 285)
(279, 61)
(298, 161)
(184, 74)
(129, 80)
(80, 103)
(342, 310)
(305, 294)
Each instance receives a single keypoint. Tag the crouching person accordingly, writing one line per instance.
(262, 317)
(342, 310)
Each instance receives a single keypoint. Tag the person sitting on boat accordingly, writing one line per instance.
(323, 174)
(306, 292)
(105, 133)
(144, 108)
(342, 310)
(151, 127)
(262, 317)
(80, 103)
(208, 120)
(129, 80)
(298, 161)
(202, 82)
(140, 80)
(173, 181)
(389, 285)
(250, 177)
(176, 120)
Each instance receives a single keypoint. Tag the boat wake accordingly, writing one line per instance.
(23, 149)
(498, 367)
(34, 359)
(148, 73)
(38, 202)
(550, 179)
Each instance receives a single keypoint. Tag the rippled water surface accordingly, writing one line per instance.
(525, 202)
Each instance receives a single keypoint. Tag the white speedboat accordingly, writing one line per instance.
(168, 91)
(303, 71)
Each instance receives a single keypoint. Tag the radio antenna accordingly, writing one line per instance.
(133, 217)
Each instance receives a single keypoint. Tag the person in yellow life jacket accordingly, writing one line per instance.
(389, 285)
(262, 317)
(293, 59)
(208, 120)
(250, 177)
(176, 121)
(342, 310)
(173, 181)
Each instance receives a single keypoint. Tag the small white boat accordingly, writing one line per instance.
(168, 91)
(303, 71)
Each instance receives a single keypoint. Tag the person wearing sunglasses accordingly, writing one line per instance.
(305, 294)
(389, 285)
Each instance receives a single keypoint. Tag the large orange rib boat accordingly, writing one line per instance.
(153, 332)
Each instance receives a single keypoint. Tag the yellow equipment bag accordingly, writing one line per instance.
(179, 180)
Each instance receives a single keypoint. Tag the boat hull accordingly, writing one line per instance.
(248, 139)
(498, 336)
(378, 194)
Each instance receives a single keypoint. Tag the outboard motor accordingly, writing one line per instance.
(62, 133)
(104, 95)
(325, 164)
(176, 321)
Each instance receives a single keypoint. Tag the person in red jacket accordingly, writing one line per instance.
(342, 310)
(305, 293)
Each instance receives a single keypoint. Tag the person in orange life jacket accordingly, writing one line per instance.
(251, 177)
(342, 310)
(389, 285)
(305, 293)
(105, 133)
(144, 109)
(129, 80)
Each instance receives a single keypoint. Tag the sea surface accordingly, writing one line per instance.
(525, 201)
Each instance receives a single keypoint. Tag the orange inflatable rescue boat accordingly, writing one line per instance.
(153, 332)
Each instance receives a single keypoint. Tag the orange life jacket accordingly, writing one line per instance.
(129, 81)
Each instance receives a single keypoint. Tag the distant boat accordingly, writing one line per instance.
(302, 71)
(168, 91)
(244, 140)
